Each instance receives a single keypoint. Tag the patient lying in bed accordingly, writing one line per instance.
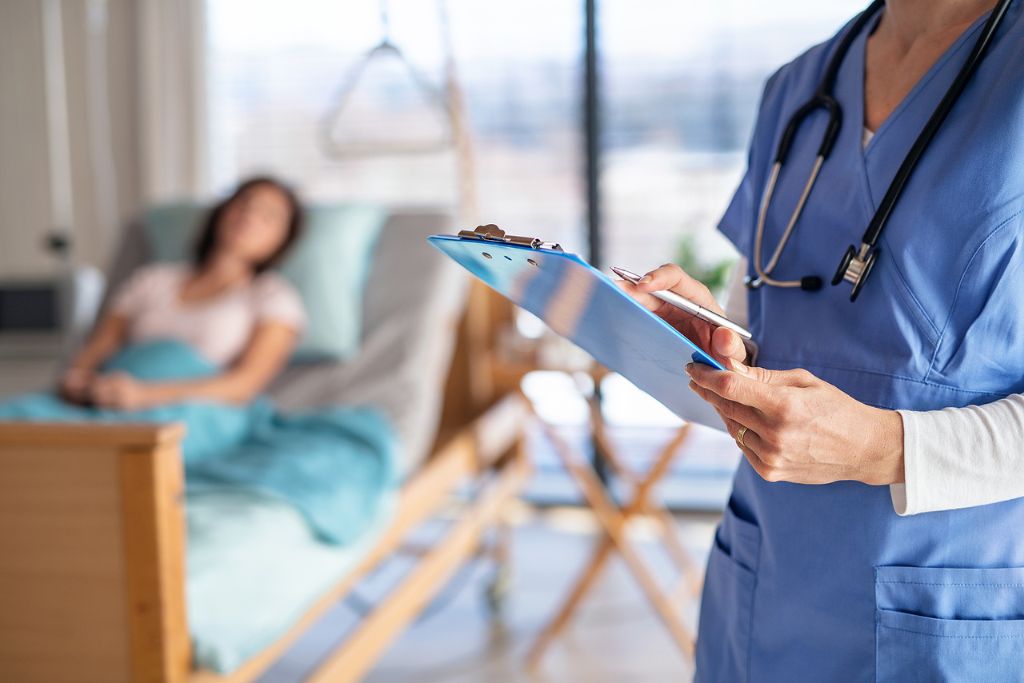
(226, 305)
(197, 343)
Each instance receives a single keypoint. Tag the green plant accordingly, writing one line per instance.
(714, 276)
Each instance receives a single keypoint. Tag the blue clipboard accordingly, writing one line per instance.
(583, 305)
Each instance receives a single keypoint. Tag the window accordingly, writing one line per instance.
(681, 82)
(274, 68)
(680, 86)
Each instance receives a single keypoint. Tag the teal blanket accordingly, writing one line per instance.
(335, 465)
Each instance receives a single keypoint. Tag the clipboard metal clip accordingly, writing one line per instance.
(492, 233)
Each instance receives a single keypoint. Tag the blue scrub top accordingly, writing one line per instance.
(827, 583)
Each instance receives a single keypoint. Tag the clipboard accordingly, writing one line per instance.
(580, 303)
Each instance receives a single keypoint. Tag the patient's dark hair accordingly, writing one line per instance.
(208, 231)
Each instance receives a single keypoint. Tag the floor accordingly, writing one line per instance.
(615, 637)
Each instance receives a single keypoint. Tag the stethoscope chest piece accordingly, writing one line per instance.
(855, 267)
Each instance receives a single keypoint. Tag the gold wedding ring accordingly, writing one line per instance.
(739, 436)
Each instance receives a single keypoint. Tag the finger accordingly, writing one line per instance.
(648, 301)
(116, 399)
(727, 344)
(798, 377)
(751, 440)
(684, 321)
(675, 279)
(750, 453)
(732, 410)
(744, 386)
(102, 391)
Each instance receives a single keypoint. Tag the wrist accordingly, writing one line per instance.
(156, 394)
(150, 395)
(885, 449)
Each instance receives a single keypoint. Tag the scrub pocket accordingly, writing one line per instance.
(937, 624)
(723, 636)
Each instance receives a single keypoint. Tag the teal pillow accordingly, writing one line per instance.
(328, 266)
(172, 230)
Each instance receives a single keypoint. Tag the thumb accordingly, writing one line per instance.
(752, 372)
(726, 344)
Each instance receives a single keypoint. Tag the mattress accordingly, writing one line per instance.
(254, 568)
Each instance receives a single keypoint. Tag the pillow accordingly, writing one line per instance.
(328, 266)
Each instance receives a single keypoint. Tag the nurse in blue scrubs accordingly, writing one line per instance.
(816, 573)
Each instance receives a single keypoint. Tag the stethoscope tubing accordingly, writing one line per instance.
(764, 273)
(824, 99)
(881, 217)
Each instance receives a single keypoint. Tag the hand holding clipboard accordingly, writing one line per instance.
(688, 305)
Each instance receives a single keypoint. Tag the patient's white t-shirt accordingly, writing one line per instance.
(218, 328)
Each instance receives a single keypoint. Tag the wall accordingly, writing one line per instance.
(28, 177)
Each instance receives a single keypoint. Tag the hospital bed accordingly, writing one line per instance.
(98, 541)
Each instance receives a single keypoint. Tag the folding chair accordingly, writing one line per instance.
(614, 519)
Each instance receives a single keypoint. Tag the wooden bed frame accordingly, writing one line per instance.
(92, 539)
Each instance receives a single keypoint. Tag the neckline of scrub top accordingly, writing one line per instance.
(920, 86)
(857, 72)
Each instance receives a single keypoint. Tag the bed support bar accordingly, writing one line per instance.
(489, 449)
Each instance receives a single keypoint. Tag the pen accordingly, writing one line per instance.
(686, 305)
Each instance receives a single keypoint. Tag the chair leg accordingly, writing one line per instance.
(692, 575)
(580, 589)
(591, 571)
(612, 519)
(500, 584)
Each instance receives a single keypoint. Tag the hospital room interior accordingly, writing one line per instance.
(255, 426)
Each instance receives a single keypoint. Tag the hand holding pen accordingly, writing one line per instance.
(714, 333)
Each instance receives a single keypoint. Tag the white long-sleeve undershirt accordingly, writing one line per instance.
(953, 458)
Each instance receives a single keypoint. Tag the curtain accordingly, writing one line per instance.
(172, 84)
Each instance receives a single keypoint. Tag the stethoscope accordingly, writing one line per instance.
(856, 264)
